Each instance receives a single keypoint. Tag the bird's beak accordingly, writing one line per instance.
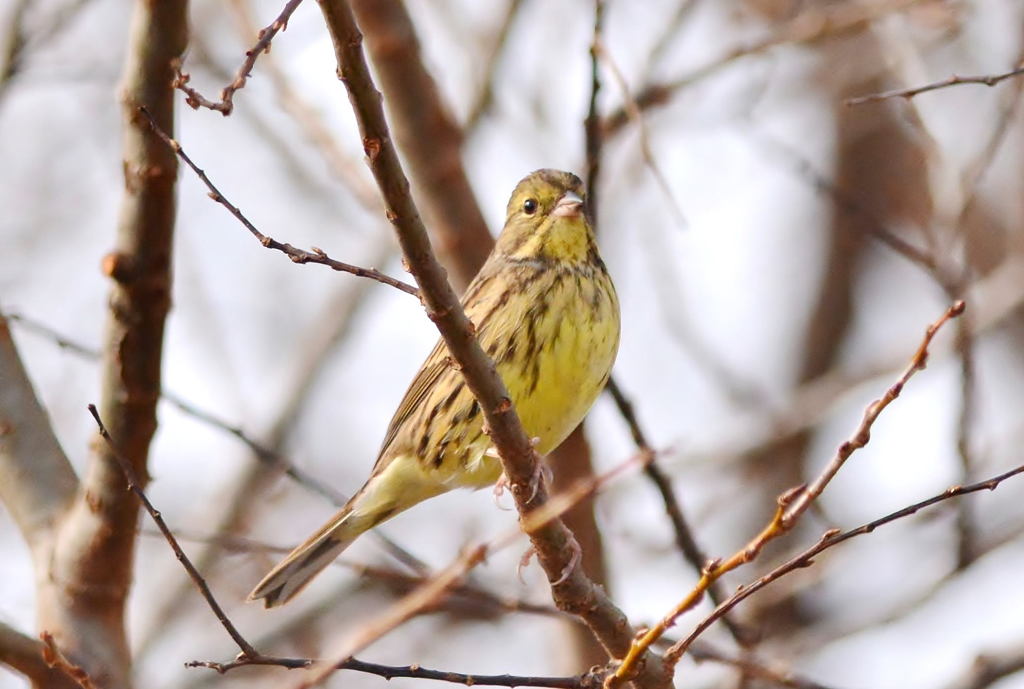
(570, 205)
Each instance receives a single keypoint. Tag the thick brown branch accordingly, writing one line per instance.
(572, 590)
(82, 595)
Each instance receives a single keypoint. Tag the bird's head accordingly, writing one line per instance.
(546, 219)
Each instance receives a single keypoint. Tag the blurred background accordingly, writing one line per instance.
(778, 254)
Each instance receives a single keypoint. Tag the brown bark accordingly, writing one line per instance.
(81, 598)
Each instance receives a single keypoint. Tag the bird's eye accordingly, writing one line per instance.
(530, 206)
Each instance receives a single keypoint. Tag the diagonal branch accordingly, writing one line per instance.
(832, 538)
(791, 505)
(36, 479)
(26, 655)
(295, 254)
(571, 590)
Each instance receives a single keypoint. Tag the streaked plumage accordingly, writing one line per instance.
(546, 311)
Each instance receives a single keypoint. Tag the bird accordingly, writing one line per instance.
(545, 310)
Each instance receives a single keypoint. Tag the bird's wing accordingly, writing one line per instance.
(428, 375)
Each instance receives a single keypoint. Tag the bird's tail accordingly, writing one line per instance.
(395, 486)
(307, 560)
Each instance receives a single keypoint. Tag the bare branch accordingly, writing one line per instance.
(636, 116)
(497, 46)
(82, 593)
(37, 482)
(982, 80)
(686, 541)
(829, 539)
(751, 667)
(324, 138)
(791, 505)
(261, 451)
(410, 671)
(296, 255)
(135, 487)
(226, 103)
(25, 655)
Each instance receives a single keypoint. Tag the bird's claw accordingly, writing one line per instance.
(541, 474)
(524, 562)
(574, 559)
(499, 491)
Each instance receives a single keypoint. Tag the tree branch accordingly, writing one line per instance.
(226, 103)
(791, 505)
(908, 93)
(82, 594)
(571, 589)
(831, 538)
(295, 254)
(25, 655)
(412, 672)
(37, 482)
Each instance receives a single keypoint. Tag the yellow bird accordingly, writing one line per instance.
(546, 311)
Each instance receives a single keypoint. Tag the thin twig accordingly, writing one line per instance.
(829, 539)
(226, 103)
(791, 504)
(401, 582)
(134, 487)
(55, 658)
(313, 124)
(848, 204)
(981, 80)
(295, 254)
(410, 671)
